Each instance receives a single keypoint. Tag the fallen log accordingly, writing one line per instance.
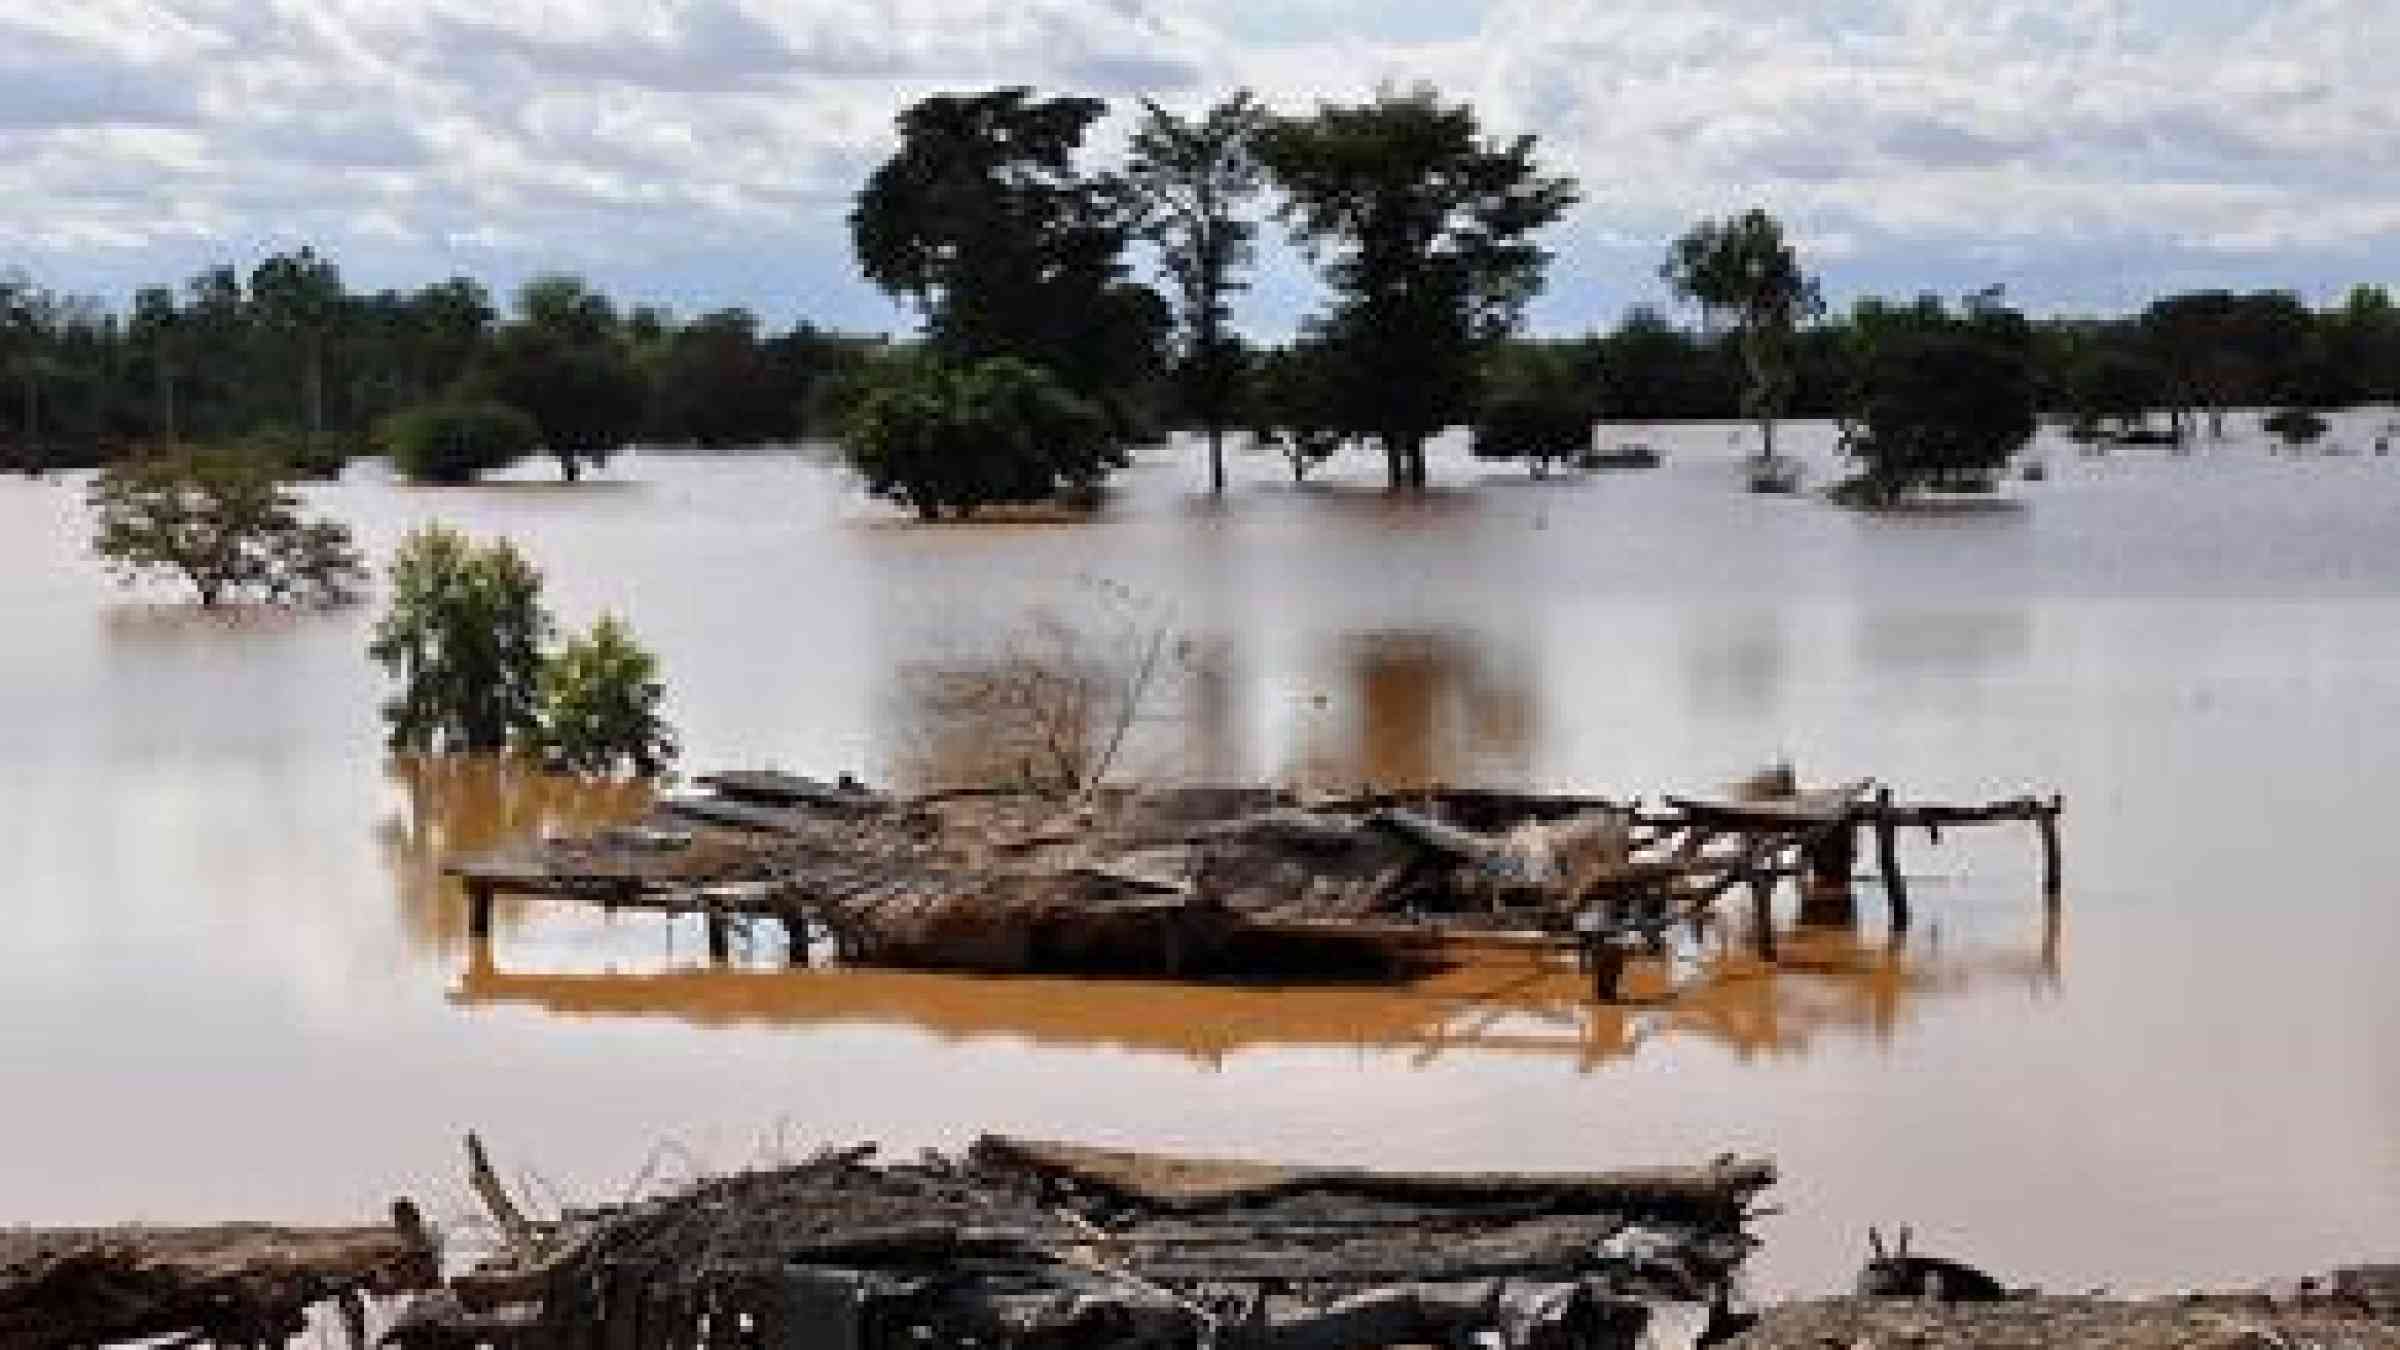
(236, 1284)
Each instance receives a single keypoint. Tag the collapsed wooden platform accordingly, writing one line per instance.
(227, 1284)
(1240, 880)
(1028, 1243)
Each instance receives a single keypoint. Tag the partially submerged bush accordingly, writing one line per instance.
(600, 696)
(2296, 427)
(224, 520)
(465, 638)
(454, 442)
(934, 436)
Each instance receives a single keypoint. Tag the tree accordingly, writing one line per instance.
(297, 298)
(463, 636)
(983, 219)
(563, 364)
(1538, 406)
(1942, 400)
(454, 442)
(2115, 386)
(226, 522)
(1295, 406)
(2297, 428)
(600, 697)
(932, 435)
(1193, 179)
(1742, 267)
(1424, 230)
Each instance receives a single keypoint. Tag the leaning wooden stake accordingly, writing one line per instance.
(486, 1183)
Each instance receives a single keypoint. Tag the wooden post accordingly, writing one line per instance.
(795, 938)
(1607, 960)
(1887, 857)
(720, 941)
(2052, 867)
(1762, 905)
(1825, 894)
(479, 910)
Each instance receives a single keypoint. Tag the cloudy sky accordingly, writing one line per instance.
(2085, 153)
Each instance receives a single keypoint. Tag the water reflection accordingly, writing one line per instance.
(1411, 708)
(1827, 984)
(454, 806)
(1735, 662)
(1960, 642)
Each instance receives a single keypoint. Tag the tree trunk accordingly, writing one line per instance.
(1216, 460)
(1395, 462)
(316, 388)
(571, 465)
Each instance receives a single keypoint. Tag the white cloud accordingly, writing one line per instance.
(2080, 150)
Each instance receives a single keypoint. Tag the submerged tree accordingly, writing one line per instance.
(1942, 400)
(1424, 229)
(225, 521)
(2297, 428)
(564, 363)
(935, 436)
(600, 698)
(1295, 406)
(1194, 178)
(457, 441)
(1539, 405)
(1741, 267)
(463, 636)
(984, 220)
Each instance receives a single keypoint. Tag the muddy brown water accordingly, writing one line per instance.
(232, 981)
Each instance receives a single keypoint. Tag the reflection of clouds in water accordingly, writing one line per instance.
(1945, 641)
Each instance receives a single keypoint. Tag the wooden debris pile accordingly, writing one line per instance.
(1020, 1243)
(230, 1284)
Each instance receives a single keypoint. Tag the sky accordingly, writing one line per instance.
(2085, 154)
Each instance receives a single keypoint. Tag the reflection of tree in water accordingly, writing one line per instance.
(1735, 662)
(1945, 641)
(1414, 708)
(456, 805)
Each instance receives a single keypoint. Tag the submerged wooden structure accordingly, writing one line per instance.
(1231, 881)
(226, 1284)
(1022, 1243)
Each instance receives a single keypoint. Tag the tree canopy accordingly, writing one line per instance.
(224, 521)
(1193, 179)
(1424, 230)
(1741, 267)
(983, 218)
(938, 436)
(1942, 399)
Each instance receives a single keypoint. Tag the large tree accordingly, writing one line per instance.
(983, 218)
(1194, 179)
(1942, 400)
(1741, 269)
(565, 364)
(1424, 229)
(297, 299)
(226, 522)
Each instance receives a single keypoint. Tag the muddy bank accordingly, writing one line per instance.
(2337, 1314)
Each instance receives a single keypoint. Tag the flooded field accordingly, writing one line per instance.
(236, 984)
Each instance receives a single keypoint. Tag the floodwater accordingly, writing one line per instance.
(232, 981)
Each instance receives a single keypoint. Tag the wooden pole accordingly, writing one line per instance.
(479, 911)
(1762, 905)
(795, 943)
(2052, 866)
(1887, 857)
(720, 939)
(1607, 960)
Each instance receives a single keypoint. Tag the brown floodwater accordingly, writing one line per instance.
(233, 981)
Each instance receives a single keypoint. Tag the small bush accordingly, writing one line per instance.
(600, 696)
(2296, 427)
(455, 442)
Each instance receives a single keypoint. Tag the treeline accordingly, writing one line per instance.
(289, 359)
(2183, 357)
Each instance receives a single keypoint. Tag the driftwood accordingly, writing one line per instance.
(234, 1284)
(1026, 1243)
